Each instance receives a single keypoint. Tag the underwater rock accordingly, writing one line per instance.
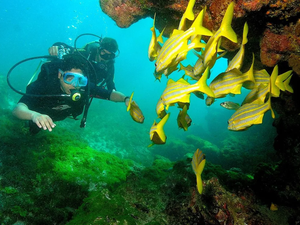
(274, 37)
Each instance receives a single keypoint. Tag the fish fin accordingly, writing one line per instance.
(150, 145)
(159, 38)
(226, 28)
(236, 90)
(250, 72)
(130, 102)
(198, 55)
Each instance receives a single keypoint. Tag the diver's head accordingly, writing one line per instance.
(108, 49)
(73, 73)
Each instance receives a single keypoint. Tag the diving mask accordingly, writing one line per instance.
(106, 55)
(75, 79)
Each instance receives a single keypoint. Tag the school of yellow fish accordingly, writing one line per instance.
(168, 56)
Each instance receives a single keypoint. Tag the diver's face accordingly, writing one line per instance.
(66, 88)
(104, 55)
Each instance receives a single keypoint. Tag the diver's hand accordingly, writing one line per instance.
(43, 121)
(127, 101)
(53, 50)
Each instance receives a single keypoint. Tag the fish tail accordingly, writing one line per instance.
(197, 24)
(189, 10)
(199, 170)
(199, 184)
(163, 121)
(203, 87)
(245, 33)
(226, 28)
(287, 85)
(181, 67)
(281, 78)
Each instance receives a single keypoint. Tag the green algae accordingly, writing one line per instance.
(45, 178)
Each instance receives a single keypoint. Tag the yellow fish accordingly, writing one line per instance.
(257, 95)
(238, 59)
(135, 112)
(157, 134)
(225, 30)
(273, 207)
(154, 46)
(176, 47)
(183, 119)
(199, 66)
(248, 115)
(231, 82)
(189, 71)
(180, 90)
(165, 72)
(198, 164)
(260, 76)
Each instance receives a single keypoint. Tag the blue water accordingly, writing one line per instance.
(30, 27)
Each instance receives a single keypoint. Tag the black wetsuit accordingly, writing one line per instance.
(58, 107)
(104, 70)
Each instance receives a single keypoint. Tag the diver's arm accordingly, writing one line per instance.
(22, 112)
(117, 96)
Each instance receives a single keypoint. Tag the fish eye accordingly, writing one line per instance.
(155, 64)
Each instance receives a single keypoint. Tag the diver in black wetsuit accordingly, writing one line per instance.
(100, 53)
(60, 78)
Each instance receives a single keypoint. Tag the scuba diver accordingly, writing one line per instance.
(61, 90)
(100, 53)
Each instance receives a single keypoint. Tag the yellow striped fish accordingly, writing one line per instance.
(157, 134)
(180, 90)
(198, 164)
(231, 82)
(199, 66)
(225, 30)
(135, 112)
(189, 71)
(154, 46)
(176, 47)
(257, 95)
(261, 77)
(248, 115)
(238, 59)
